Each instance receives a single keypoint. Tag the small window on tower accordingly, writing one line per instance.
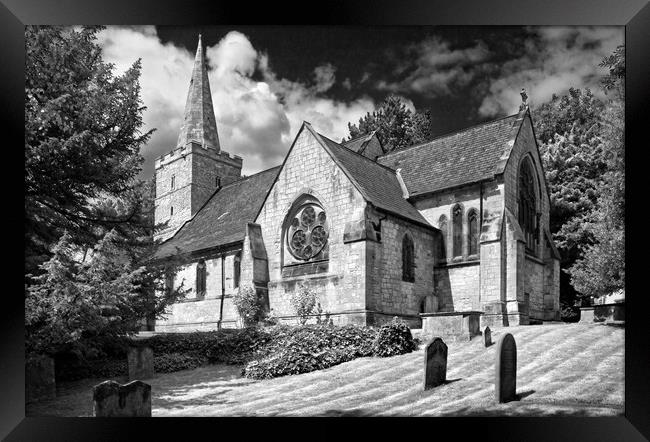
(173, 181)
(217, 182)
(171, 211)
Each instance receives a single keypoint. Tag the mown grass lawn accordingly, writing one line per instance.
(563, 369)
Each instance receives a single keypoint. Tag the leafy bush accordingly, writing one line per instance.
(393, 339)
(307, 348)
(247, 305)
(169, 363)
(303, 301)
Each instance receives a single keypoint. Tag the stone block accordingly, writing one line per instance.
(140, 362)
(39, 379)
(110, 399)
(455, 326)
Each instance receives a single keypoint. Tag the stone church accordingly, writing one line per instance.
(459, 223)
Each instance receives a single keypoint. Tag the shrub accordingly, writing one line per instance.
(307, 348)
(169, 363)
(247, 305)
(393, 339)
(303, 301)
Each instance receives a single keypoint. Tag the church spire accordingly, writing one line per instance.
(199, 124)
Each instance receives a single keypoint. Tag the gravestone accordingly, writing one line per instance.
(505, 381)
(487, 334)
(140, 362)
(435, 363)
(39, 378)
(110, 399)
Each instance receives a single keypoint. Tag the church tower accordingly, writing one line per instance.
(196, 167)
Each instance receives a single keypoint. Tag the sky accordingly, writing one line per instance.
(266, 80)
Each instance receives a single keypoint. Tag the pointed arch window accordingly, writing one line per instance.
(457, 230)
(408, 259)
(527, 205)
(442, 246)
(200, 279)
(472, 232)
(236, 270)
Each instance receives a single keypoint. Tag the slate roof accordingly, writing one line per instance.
(378, 184)
(462, 157)
(223, 218)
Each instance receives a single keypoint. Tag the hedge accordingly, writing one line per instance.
(266, 352)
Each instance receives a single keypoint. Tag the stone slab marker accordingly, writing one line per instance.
(435, 363)
(505, 380)
(487, 334)
(110, 399)
(39, 378)
(140, 362)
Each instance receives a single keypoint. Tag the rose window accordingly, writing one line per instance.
(308, 232)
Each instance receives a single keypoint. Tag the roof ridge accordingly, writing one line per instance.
(244, 178)
(357, 138)
(446, 135)
(358, 154)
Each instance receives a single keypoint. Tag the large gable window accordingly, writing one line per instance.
(408, 259)
(457, 230)
(527, 204)
(307, 232)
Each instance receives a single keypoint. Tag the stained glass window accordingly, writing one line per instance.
(408, 259)
(457, 230)
(528, 219)
(472, 234)
(442, 247)
(308, 232)
(200, 279)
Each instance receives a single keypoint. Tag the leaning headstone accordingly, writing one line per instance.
(39, 378)
(140, 361)
(435, 363)
(505, 381)
(487, 334)
(110, 399)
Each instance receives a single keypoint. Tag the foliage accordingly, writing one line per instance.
(78, 305)
(582, 148)
(247, 305)
(307, 348)
(303, 301)
(88, 219)
(393, 339)
(601, 269)
(171, 362)
(396, 125)
(82, 141)
(227, 346)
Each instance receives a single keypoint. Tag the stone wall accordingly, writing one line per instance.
(340, 282)
(388, 294)
(195, 313)
(194, 170)
(457, 287)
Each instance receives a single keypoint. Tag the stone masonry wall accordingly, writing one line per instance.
(309, 169)
(202, 314)
(458, 286)
(193, 170)
(387, 292)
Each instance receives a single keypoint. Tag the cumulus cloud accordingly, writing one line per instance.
(436, 69)
(256, 119)
(555, 59)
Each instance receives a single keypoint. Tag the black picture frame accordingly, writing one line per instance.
(634, 15)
